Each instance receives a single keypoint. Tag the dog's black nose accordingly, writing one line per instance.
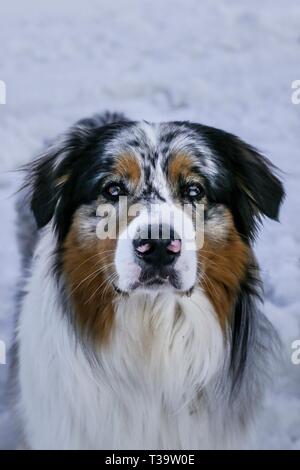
(158, 251)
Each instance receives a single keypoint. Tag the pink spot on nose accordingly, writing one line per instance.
(174, 246)
(143, 248)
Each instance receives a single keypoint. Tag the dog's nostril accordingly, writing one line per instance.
(143, 248)
(174, 246)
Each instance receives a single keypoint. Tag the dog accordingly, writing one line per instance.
(140, 341)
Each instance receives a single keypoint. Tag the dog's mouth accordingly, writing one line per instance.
(150, 280)
(154, 278)
(157, 281)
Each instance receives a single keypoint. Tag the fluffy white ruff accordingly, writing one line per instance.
(139, 391)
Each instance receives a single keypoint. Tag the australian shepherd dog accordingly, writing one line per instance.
(139, 326)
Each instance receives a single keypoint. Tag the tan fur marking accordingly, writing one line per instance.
(127, 166)
(88, 269)
(224, 264)
(180, 165)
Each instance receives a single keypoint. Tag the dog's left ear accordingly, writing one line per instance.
(257, 189)
(254, 189)
(255, 177)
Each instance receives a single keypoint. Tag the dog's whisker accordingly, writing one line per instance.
(91, 275)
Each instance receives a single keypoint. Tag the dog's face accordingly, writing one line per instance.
(153, 207)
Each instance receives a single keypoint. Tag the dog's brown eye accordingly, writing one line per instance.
(114, 190)
(193, 191)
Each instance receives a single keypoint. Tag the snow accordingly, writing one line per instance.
(227, 64)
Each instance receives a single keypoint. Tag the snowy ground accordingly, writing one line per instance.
(226, 64)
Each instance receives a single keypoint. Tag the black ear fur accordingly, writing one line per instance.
(45, 194)
(256, 182)
(49, 173)
(252, 188)
(257, 191)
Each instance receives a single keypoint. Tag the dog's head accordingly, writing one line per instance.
(142, 207)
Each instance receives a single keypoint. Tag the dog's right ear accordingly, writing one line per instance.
(49, 173)
(47, 177)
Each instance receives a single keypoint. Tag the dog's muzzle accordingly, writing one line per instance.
(157, 256)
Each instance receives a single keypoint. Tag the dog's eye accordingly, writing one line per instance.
(193, 191)
(114, 190)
